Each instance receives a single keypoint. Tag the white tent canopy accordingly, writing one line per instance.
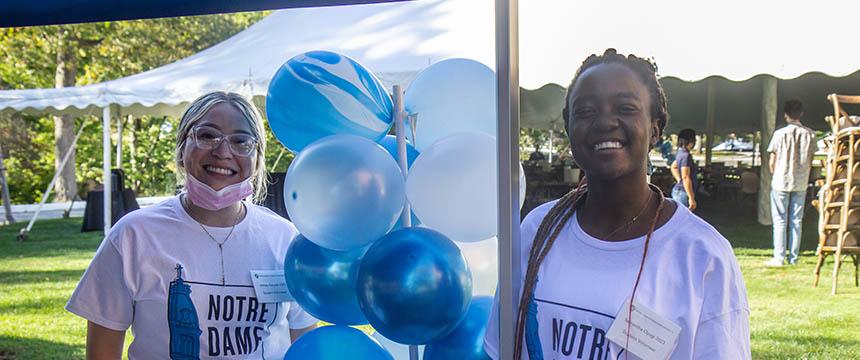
(394, 40)
(735, 39)
(690, 40)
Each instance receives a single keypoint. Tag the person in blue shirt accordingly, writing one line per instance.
(665, 148)
(684, 170)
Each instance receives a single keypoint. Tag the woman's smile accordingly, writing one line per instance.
(219, 171)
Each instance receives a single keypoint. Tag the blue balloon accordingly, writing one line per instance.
(466, 342)
(389, 142)
(343, 192)
(414, 286)
(321, 93)
(336, 342)
(324, 281)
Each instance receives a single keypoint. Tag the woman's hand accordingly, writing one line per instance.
(103, 343)
(296, 333)
(686, 175)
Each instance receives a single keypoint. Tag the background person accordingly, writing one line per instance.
(792, 150)
(665, 148)
(685, 170)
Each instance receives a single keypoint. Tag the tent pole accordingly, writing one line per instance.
(119, 124)
(768, 125)
(22, 235)
(709, 122)
(403, 163)
(106, 113)
(550, 146)
(508, 109)
(754, 156)
(4, 191)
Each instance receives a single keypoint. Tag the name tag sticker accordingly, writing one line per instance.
(651, 335)
(270, 286)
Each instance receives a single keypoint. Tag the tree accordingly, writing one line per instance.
(27, 143)
(71, 40)
(537, 138)
(68, 55)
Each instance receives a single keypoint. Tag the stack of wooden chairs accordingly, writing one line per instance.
(838, 201)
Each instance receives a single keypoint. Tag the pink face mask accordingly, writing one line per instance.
(204, 196)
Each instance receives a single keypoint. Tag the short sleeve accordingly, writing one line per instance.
(298, 317)
(813, 146)
(723, 329)
(724, 337)
(774, 144)
(683, 160)
(102, 295)
(528, 229)
(491, 336)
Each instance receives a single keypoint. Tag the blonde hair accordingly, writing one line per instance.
(199, 108)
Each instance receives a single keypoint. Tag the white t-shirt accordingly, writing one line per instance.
(794, 148)
(690, 277)
(135, 280)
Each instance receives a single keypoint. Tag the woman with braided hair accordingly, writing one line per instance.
(617, 238)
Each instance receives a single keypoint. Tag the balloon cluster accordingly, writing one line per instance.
(355, 263)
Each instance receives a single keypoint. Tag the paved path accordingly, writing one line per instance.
(23, 213)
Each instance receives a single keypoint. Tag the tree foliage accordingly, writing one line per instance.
(102, 51)
(531, 139)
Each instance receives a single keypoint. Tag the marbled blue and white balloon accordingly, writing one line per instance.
(321, 93)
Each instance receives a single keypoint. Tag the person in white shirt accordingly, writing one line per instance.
(617, 237)
(179, 273)
(792, 150)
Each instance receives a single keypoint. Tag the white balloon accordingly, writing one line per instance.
(452, 96)
(452, 187)
(522, 186)
(483, 260)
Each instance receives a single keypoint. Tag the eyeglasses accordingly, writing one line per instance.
(207, 138)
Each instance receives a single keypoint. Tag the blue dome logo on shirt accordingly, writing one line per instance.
(182, 320)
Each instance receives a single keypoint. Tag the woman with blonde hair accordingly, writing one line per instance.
(179, 273)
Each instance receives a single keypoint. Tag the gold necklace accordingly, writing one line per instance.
(633, 220)
(220, 244)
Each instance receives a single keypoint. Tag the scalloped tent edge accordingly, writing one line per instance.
(396, 40)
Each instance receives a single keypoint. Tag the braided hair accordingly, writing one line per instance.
(644, 68)
(560, 214)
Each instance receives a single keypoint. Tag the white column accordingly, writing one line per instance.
(550, 146)
(508, 107)
(4, 192)
(709, 121)
(768, 125)
(402, 161)
(106, 166)
(119, 122)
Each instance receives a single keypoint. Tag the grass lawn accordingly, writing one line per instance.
(790, 319)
